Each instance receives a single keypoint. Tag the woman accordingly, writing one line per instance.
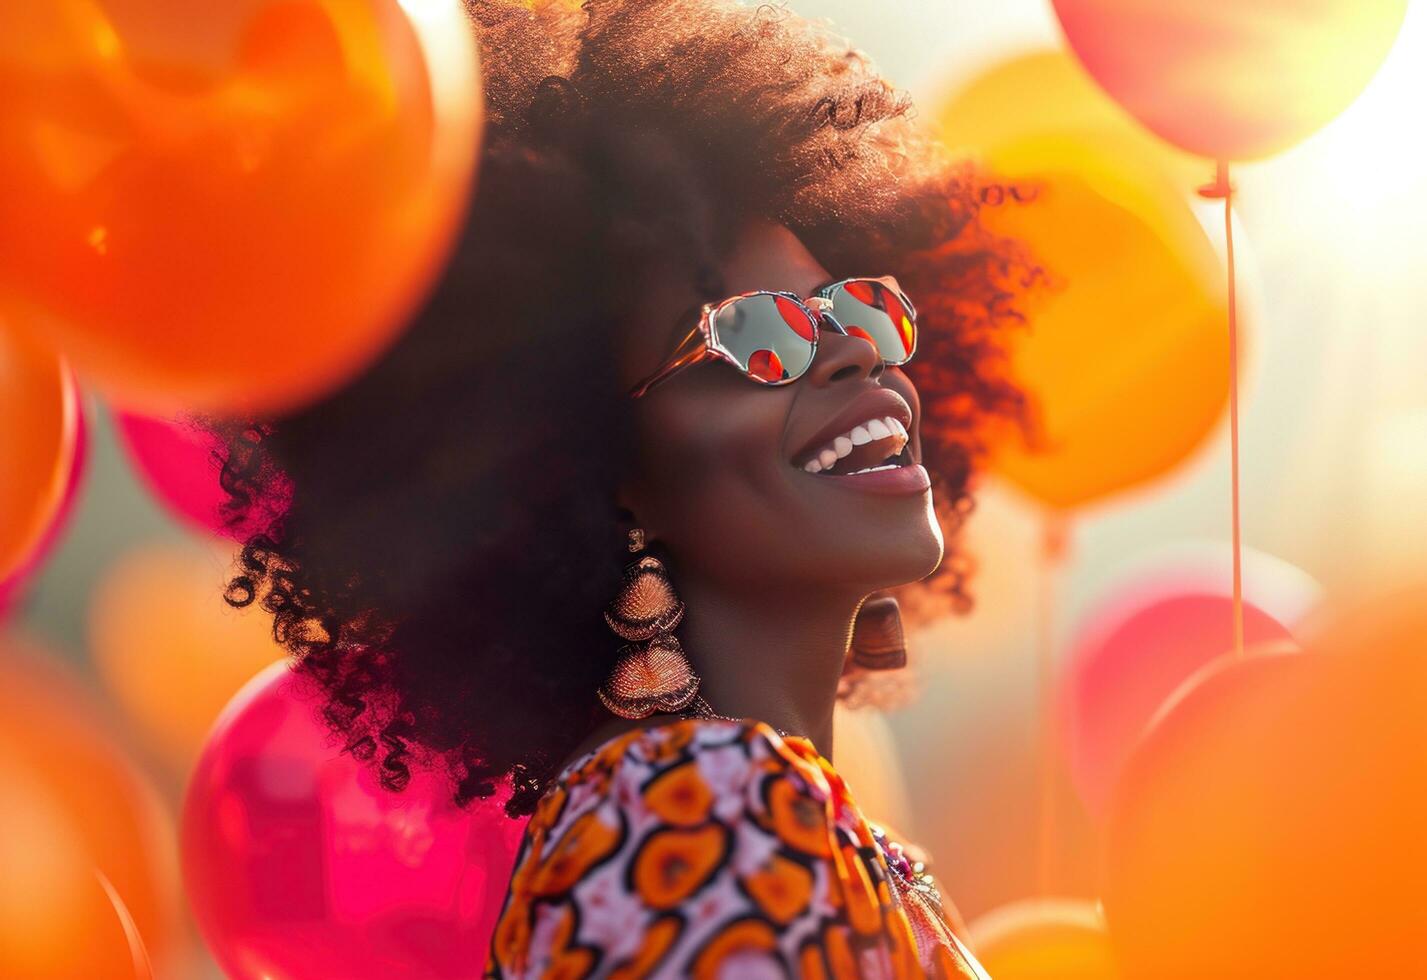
(592, 532)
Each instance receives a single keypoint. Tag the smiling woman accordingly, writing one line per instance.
(448, 534)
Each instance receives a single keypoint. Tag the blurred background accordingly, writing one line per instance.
(1094, 599)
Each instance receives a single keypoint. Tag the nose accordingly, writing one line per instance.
(841, 356)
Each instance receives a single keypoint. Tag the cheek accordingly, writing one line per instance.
(898, 381)
(713, 472)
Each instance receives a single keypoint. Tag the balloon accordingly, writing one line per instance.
(11, 588)
(1159, 622)
(1270, 823)
(298, 864)
(39, 417)
(176, 461)
(1126, 359)
(1049, 91)
(168, 648)
(1044, 939)
(75, 814)
(1232, 79)
(233, 212)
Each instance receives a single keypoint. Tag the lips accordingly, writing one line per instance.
(876, 403)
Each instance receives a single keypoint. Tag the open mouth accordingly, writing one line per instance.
(876, 444)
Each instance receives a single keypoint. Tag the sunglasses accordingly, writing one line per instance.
(772, 336)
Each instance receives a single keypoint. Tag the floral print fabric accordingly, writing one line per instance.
(709, 848)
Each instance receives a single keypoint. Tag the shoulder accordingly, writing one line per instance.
(674, 843)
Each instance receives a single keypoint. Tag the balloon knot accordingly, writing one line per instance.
(1221, 187)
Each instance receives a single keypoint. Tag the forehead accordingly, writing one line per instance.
(767, 255)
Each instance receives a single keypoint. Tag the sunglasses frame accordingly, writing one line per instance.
(699, 345)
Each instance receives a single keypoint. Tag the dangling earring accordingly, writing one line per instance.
(877, 641)
(652, 673)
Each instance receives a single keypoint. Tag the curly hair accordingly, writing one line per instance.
(435, 544)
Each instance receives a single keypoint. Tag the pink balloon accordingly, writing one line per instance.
(1163, 620)
(176, 462)
(12, 587)
(297, 864)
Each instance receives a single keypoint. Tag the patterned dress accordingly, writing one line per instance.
(711, 848)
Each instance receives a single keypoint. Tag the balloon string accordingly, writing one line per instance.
(1053, 540)
(1224, 188)
(143, 966)
(1234, 410)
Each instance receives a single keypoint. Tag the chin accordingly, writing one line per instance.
(931, 550)
(918, 551)
(889, 562)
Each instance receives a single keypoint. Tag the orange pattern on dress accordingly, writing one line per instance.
(709, 848)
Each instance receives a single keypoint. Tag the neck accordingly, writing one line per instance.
(762, 655)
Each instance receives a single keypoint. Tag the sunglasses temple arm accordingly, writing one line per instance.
(687, 352)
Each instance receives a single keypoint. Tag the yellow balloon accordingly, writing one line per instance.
(1047, 92)
(1126, 358)
(1044, 939)
(168, 647)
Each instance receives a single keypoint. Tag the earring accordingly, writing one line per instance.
(877, 642)
(652, 673)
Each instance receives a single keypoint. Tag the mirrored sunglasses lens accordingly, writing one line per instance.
(771, 337)
(874, 311)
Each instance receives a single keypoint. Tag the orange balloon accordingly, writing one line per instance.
(1232, 79)
(77, 820)
(1044, 939)
(235, 211)
(1271, 822)
(1126, 360)
(39, 426)
(168, 647)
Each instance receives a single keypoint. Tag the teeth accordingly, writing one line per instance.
(874, 469)
(861, 435)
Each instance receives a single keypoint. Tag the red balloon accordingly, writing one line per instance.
(1232, 79)
(1167, 619)
(298, 864)
(1116, 685)
(176, 461)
